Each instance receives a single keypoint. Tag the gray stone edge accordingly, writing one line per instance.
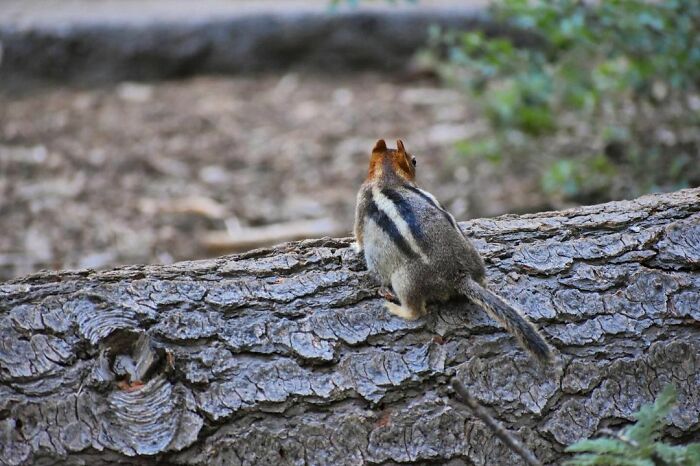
(100, 53)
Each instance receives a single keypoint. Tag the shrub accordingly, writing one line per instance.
(607, 105)
(638, 444)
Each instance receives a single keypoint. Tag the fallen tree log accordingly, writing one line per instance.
(286, 355)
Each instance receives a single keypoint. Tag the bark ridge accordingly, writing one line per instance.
(287, 356)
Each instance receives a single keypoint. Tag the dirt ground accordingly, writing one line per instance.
(141, 173)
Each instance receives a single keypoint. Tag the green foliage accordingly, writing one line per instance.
(638, 444)
(608, 100)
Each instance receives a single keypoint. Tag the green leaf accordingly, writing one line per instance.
(561, 178)
(671, 454)
(536, 120)
(607, 460)
(485, 148)
(650, 419)
(600, 445)
(693, 454)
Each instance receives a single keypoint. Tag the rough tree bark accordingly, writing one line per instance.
(286, 355)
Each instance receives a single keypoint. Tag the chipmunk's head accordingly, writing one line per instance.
(391, 162)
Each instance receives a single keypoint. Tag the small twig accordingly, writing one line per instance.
(255, 237)
(500, 432)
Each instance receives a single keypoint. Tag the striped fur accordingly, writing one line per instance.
(421, 257)
(388, 226)
(406, 212)
(431, 199)
(393, 210)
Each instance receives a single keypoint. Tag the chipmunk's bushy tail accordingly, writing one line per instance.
(526, 333)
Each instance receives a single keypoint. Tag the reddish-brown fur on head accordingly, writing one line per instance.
(386, 163)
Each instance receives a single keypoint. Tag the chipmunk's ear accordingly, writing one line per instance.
(399, 146)
(380, 146)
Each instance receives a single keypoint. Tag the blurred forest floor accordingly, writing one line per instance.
(142, 173)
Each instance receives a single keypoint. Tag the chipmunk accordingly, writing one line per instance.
(415, 246)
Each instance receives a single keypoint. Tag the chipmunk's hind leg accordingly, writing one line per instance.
(387, 293)
(412, 303)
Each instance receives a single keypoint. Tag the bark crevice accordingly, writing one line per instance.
(287, 355)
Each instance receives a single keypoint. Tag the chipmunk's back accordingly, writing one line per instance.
(410, 230)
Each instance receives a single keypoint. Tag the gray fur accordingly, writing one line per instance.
(453, 266)
(510, 318)
(451, 255)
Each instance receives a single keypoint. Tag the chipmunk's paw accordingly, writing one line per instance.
(404, 313)
(356, 247)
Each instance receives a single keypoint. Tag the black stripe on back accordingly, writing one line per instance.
(437, 206)
(389, 227)
(405, 211)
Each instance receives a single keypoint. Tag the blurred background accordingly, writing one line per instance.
(161, 130)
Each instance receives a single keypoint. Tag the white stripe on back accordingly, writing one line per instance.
(387, 206)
